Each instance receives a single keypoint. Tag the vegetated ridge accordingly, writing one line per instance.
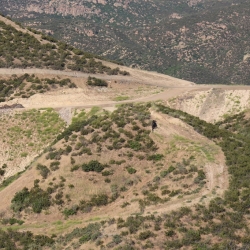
(22, 48)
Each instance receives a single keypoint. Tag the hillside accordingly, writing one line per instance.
(80, 167)
(23, 48)
(108, 165)
(201, 41)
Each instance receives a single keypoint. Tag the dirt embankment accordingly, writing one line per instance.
(213, 104)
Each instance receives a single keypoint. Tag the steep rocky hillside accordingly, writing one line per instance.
(203, 41)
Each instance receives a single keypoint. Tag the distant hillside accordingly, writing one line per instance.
(199, 40)
(24, 48)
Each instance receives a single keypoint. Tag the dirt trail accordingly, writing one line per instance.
(83, 98)
(172, 87)
(216, 172)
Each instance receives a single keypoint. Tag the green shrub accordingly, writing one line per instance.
(68, 149)
(170, 233)
(2, 171)
(36, 198)
(135, 145)
(107, 172)
(145, 235)
(99, 200)
(131, 170)
(201, 176)
(117, 239)
(93, 165)
(91, 232)
(175, 192)
(12, 221)
(74, 168)
(155, 157)
(92, 81)
(191, 237)
(70, 211)
(133, 223)
(44, 171)
(54, 165)
(164, 173)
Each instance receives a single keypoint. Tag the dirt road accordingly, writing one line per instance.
(171, 87)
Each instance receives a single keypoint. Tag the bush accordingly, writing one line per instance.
(2, 171)
(44, 171)
(131, 170)
(93, 165)
(107, 173)
(145, 235)
(12, 221)
(155, 157)
(99, 200)
(54, 165)
(70, 211)
(36, 198)
(164, 173)
(74, 168)
(68, 149)
(92, 81)
(135, 145)
(191, 237)
(117, 239)
(91, 232)
(201, 176)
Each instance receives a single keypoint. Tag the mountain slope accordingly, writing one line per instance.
(22, 48)
(202, 41)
